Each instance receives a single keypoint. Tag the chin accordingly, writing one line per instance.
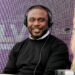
(36, 36)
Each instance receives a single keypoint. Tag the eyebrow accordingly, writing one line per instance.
(35, 18)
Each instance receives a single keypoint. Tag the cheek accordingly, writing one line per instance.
(29, 28)
(29, 25)
(44, 25)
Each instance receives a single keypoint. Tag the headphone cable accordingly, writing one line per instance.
(40, 56)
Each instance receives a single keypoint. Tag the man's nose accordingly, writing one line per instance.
(36, 23)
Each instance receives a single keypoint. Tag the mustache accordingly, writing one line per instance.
(40, 28)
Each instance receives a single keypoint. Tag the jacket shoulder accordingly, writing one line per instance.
(57, 43)
(17, 47)
(56, 40)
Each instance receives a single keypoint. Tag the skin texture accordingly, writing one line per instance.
(37, 20)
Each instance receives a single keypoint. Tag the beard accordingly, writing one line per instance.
(37, 32)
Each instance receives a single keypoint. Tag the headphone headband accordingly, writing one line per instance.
(43, 7)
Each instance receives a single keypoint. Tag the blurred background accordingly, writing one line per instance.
(12, 29)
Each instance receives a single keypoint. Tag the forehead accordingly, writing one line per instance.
(37, 12)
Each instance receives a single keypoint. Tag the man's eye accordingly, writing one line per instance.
(31, 20)
(41, 19)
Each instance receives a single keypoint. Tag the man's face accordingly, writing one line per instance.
(37, 22)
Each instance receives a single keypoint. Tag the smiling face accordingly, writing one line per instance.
(37, 22)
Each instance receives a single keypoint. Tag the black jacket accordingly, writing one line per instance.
(38, 57)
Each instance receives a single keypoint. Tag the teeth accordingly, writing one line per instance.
(36, 30)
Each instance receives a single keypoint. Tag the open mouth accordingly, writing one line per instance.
(36, 30)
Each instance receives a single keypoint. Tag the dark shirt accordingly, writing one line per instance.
(38, 57)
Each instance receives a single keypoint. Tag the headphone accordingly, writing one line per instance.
(43, 7)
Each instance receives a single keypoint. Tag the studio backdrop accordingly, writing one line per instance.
(12, 29)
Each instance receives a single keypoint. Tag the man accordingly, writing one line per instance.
(41, 53)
